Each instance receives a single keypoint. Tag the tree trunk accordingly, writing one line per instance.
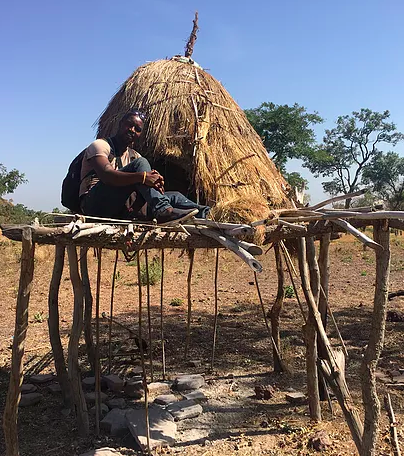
(20, 331)
(370, 399)
(53, 324)
(276, 309)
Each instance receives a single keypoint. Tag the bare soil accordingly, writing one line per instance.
(234, 421)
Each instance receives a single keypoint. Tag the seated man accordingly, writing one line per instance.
(112, 172)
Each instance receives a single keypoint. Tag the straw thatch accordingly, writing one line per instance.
(200, 140)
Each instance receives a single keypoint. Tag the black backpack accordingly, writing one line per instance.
(71, 183)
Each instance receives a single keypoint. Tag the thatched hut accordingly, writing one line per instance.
(200, 140)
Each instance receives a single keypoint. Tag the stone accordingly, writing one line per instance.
(319, 441)
(41, 378)
(196, 396)
(398, 378)
(195, 363)
(88, 383)
(296, 398)
(165, 399)
(54, 388)
(104, 410)
(264, 392)
(162, 427)
(159, 388)
(134, 389)
(30, 399)
(115, 422)
(90, 397)
(28, 388)
(183, 410)
(189, 382)
(103, 452)
(116, 402)
(114, 382)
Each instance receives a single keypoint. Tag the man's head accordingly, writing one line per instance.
(131, 126)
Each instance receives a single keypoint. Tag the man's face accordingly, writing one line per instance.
(130, 129)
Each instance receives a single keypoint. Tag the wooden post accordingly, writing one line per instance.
(189, 297)
(111, 312)
(163, 354)
(309, 328)
(53, 324)
(381, 234)
(88, 308)
(393, 425)
(276, 310)
(146, 391)
(20, 331)
(73, 355)
(330, 368)
(324, 268)
(216, 312)
(149, 314)
(97, 372)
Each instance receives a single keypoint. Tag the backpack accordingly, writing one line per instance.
(71, 183)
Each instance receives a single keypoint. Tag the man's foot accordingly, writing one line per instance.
(172, 215)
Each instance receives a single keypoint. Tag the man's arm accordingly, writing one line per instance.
(110, 176)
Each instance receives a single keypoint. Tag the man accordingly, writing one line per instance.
(112, 173)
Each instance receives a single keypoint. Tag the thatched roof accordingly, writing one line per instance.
(197, 128)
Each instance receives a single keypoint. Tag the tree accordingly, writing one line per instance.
(10, 180)
(386, 174)
(286, 133)
(349, 147)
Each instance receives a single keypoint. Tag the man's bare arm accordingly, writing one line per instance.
(110, 176)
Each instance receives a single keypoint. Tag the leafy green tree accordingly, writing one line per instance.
(349, 147)
(10, 180)
(386, 174)
(286, 132)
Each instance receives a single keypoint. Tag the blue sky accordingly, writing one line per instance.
(62, 61)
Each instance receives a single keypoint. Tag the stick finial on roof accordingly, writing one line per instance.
(189, 48)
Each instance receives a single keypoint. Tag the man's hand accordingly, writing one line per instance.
(155, 179)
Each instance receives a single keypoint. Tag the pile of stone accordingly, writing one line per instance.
(170, 402)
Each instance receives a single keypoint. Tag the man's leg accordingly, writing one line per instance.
(179, 201)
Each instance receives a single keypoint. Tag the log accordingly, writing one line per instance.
(73, 352)
(53, 324)
(21, 325)
(381, 233)
(232, 245)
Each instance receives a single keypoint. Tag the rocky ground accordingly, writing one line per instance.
(245, 409)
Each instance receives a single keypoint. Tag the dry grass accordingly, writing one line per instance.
(195, 124)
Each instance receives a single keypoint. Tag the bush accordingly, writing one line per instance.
(154, 272)
(289, 291)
